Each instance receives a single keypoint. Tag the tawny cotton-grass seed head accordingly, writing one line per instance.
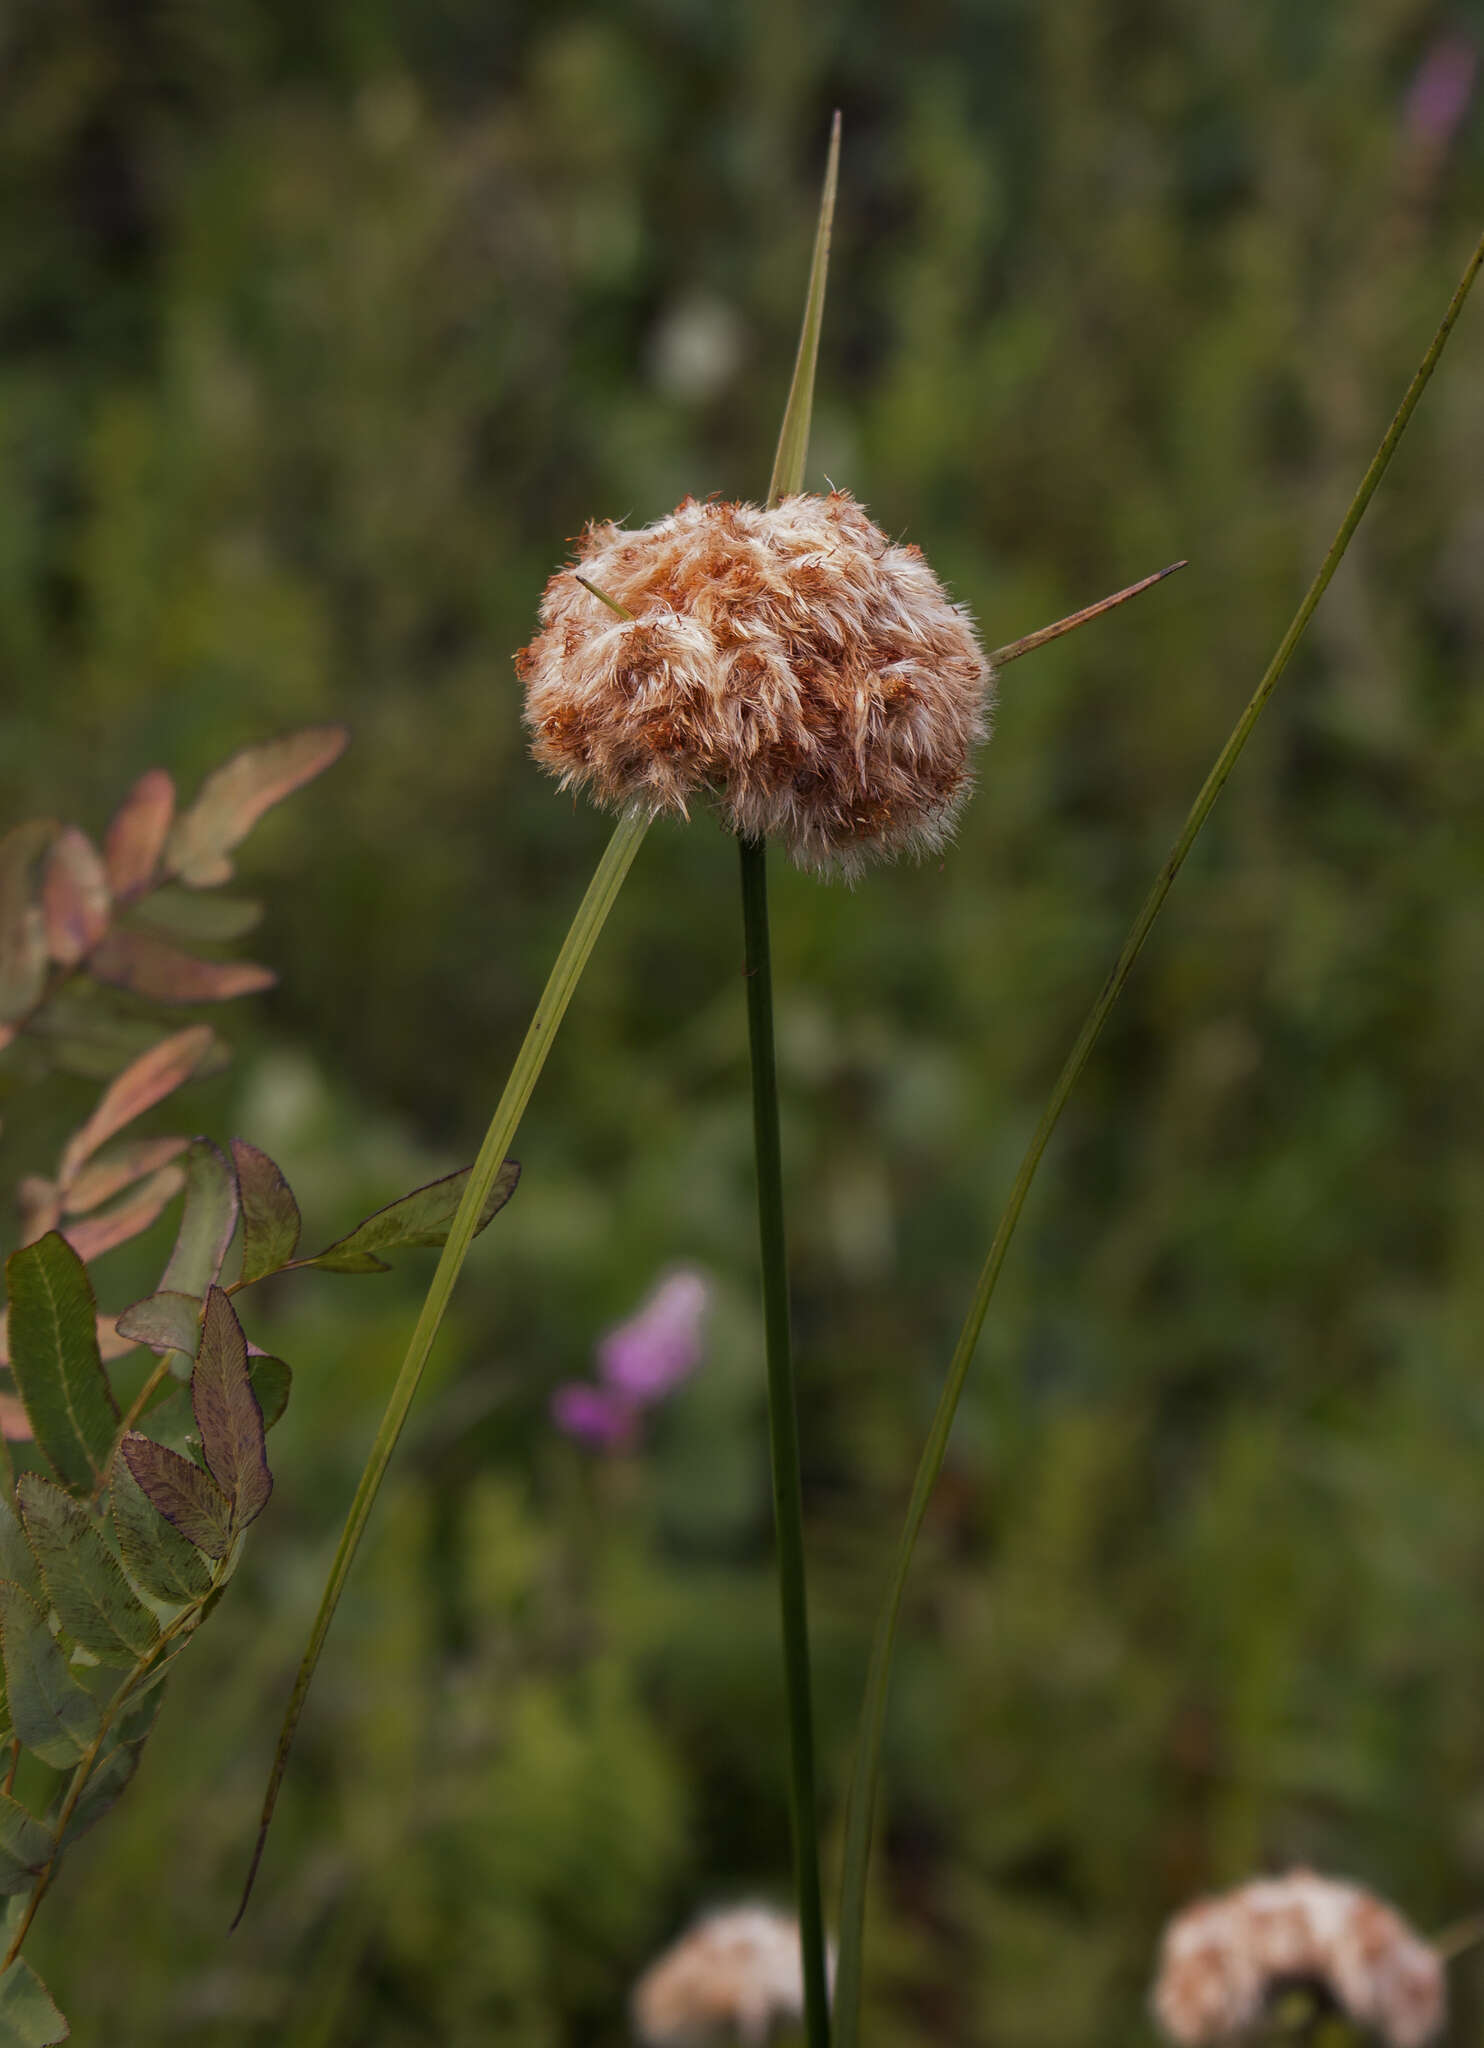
(735, 1977)
(1222, 1959)
(814, 678)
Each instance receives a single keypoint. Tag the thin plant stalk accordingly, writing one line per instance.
(860, 1811)
(582, 934)
(783, 1439)
(783, 1426)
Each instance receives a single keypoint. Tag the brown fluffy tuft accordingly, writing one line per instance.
(793, 662)
(1222, 1959)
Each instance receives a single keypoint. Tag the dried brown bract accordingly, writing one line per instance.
(793, 662)
(1222, 1959)
(736, 1976)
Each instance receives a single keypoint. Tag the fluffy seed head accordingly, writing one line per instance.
(793, 662)
(736, 1976)
(1222, 1959)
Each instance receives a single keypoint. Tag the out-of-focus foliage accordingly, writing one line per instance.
(321, 328)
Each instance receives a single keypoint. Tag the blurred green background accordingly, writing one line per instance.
(321, 327)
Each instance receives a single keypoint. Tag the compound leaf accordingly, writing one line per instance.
(422, 1218)
(54, 1357)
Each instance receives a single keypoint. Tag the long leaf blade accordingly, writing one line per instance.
(572, 957)
(866, 1771)
(54, 1357)
(793, 439)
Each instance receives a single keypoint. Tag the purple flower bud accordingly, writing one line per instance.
(600, 1416)
(647, 1357)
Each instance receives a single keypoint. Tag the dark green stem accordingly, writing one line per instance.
(783, 1433)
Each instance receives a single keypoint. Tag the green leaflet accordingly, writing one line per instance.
(185, 914)
(424, 1217)
(156, 1556)
(49, 1710)
(234, 796)
(16, 1561)
(227, 1413)
(54, 1356)
(25, 1845)
(183, 1493)
(166, 1321)
(270, 1215)
(94, 1601)
(116, 1765)
(206, 1224)
(28, 2019)
(271, 1382)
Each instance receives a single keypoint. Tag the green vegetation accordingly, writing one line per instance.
(322, 328)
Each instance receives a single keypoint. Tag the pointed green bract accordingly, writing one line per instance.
(181, 1492)
(28, 2019)
(793, 440)
(156, 1556)
(270, 1215)
(49, 1710)
(424, 1217)
(94, 1601)
(866, 1771)
(227, 1412)
(25, 1846)
(54, 1357)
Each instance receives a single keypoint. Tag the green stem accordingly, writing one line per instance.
(783, 1433)
(581, 937)
(864, 1779)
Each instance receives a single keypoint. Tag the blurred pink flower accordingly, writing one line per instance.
(599, 1416)
(659, 1347)
(639, 1363)
(1441, 88)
